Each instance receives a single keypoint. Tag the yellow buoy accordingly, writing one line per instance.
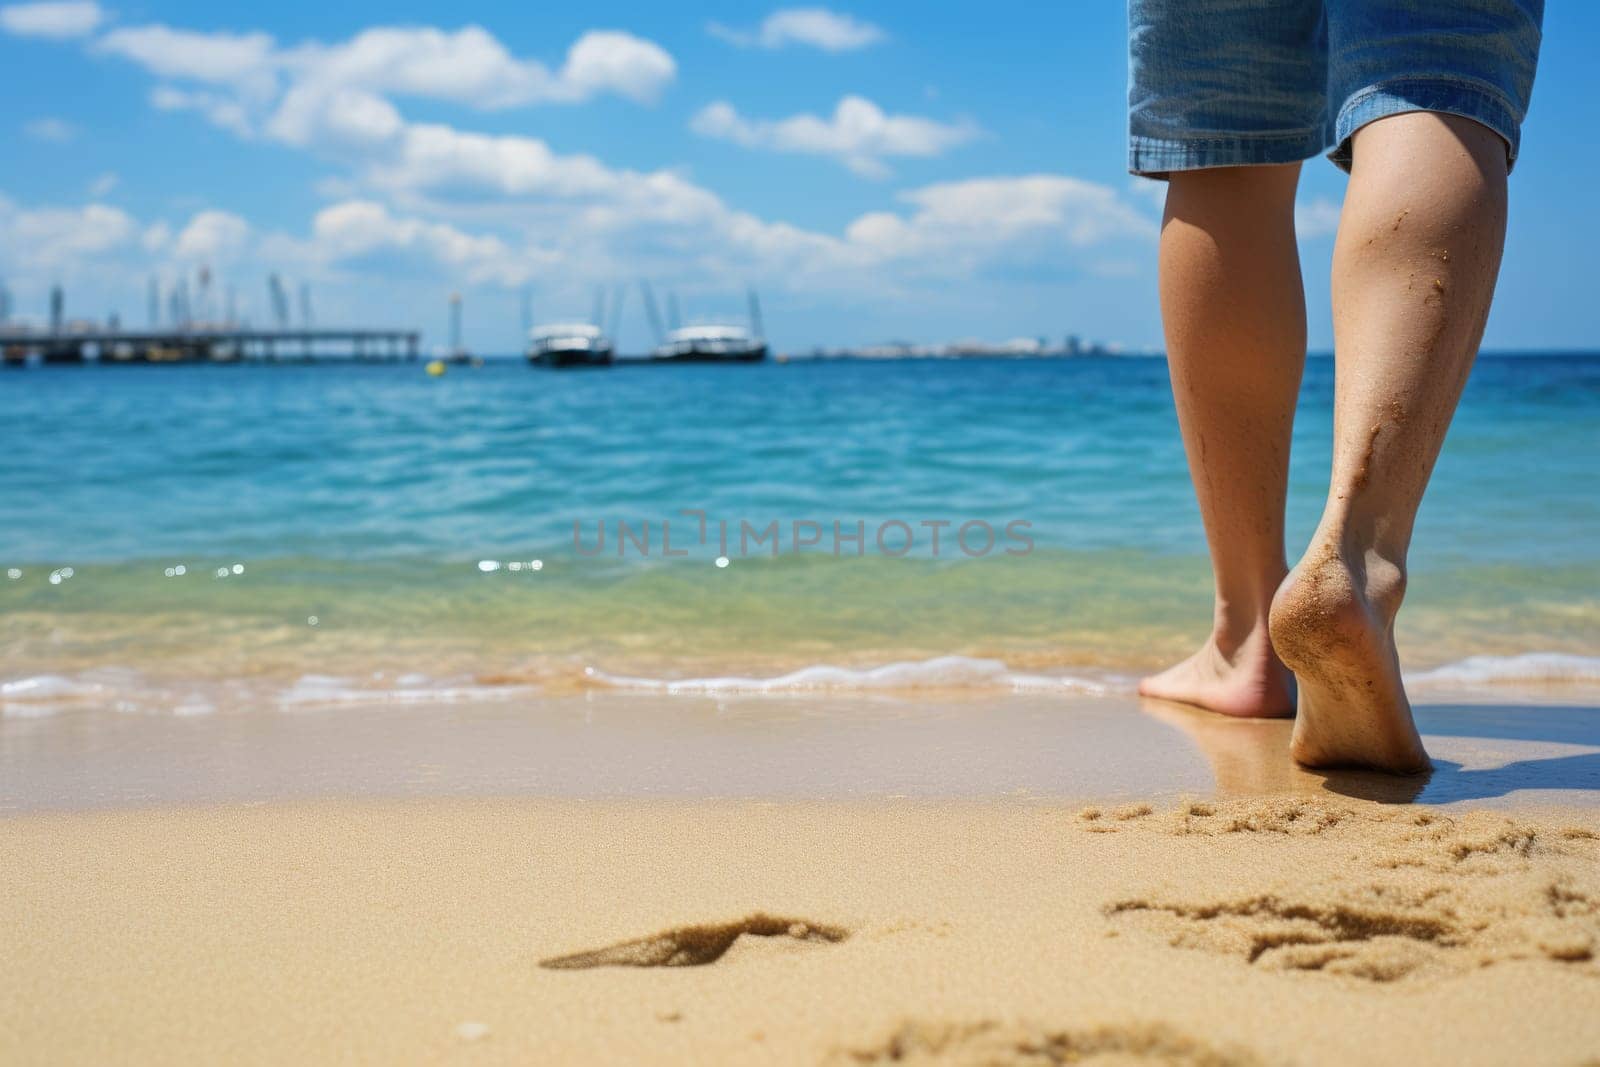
(435, 368)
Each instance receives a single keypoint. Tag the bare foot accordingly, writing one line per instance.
(1332, 622)
(1250, 683)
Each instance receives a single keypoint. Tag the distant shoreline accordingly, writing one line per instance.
(843, 356)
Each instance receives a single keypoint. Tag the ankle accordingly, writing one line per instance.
(1250, 648)
(1238, 628)
(1377, 567)
(1385, 578)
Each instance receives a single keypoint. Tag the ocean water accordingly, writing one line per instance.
(175, 538)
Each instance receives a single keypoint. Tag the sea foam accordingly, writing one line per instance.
(40, 695)
(942, 672)
(1529, 668)
(321, 690)
(131, 692)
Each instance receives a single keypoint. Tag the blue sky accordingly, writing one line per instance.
(879, 171)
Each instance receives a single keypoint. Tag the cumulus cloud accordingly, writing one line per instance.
(858, 133)
(600, 221)
(315, 91)
(104, 185)
(216, 108)
(244, 61)
(980, 215)
(334, 115)
(609, 61)
(431, 156)
(53, 237)
(815, 27)
(58, 21)
(357, 229)
(98, 240)
(213, 237)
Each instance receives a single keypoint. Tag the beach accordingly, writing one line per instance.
(833, 877)
(336, 746)
(823, 534)
(1262, 931)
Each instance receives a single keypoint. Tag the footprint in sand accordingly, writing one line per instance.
(695, 946)
(990, 1042)
(1396, 892)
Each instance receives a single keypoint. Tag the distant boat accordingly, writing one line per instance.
(570, 344)
(576, 344)
(712, 342)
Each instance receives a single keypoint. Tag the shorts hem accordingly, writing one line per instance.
(1484, 104)
(1156, 157)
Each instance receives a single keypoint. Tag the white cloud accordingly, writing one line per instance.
(600, 222)
(1316, 218)
(213, 237)
(981, 215)
(438, 157)
(45, 244)
(609, 61)
(468, 66)
(816, 27)
(56, 131)
(244, 61)
(858, 133)
(103, 185)
(218, 109)
(51, 238)
(338, 115)
(55, 21)
(334, 93)
(361, 228)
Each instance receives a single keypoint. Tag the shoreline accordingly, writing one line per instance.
(1065, 747)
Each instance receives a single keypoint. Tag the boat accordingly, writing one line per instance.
(576, 344)
(711, 343)
(707, 342)
(570, 344)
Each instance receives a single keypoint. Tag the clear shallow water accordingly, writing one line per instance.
(366, 498)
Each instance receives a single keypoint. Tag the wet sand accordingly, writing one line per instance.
(1515, 750)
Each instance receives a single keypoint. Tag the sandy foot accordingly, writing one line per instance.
(1332, 622)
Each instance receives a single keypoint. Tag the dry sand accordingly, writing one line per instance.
(1289, 930)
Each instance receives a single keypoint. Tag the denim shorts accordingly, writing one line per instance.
(1227, 83)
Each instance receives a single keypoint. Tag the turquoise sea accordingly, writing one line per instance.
(172, 537)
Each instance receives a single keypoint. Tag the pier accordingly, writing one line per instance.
(226, 344)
